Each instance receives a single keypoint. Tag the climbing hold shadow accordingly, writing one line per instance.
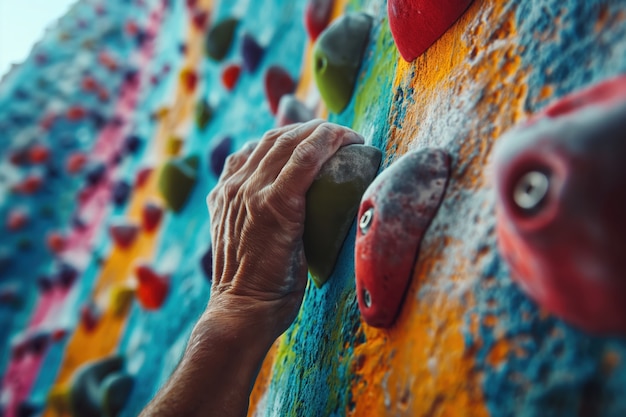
(220, 38)
(394, 214)
(559, 181)
(417, 24)
(177, 179)
(316, 16)
(100, 388)
(332, 203)
(152, 288)
(337, 56)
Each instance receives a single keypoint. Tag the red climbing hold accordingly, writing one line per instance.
(18, 157)
(142, 176)
(278, 82)
(230, 75)
(30, 185)
(17, 219)
(56, 242)
(76, 113)
(75, 162)
(417, 24)
(152, 289)
(89, 316)
(89, 84)
(38, 154)
(199, 19)
(394, 215)
(124, 234)
(151, 216)
(317, 16)
(189, 80)
(560, 207)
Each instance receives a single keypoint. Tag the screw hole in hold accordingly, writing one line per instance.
(531, 190)
(367, 298)
(320, 64)
(366, 220)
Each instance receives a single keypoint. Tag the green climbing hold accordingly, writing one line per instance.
(204, 114)
(220, 38)
(332, 204)
(337, 57)
(114, 392)
(177, 179)
(86, 388)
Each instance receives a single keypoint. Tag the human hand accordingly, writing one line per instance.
(257, 214)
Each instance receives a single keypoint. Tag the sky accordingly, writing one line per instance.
(22, 23)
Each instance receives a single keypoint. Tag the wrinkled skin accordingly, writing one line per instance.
(257, 214)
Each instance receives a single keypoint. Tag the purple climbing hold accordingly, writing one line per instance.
(120, 193)
(252, 53)
(95, 173)
(66, 275)
(45, 283)
(132, 144)
(218, 155)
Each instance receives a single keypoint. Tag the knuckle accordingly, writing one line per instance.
(307, 153)
(230, 190)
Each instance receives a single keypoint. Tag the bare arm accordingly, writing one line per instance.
(259, 269)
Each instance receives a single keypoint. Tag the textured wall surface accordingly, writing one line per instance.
(467, 342)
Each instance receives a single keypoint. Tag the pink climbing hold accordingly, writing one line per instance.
(152, 289)
(317, 16)
(123, 234)
(230, 75)
(417, 24)
(151, 216)
(278, 82)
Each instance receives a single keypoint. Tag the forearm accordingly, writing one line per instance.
(217, 371)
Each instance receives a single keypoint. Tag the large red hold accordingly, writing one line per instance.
(395, 213)
(152, 287)
(560, 181)
(417, 24)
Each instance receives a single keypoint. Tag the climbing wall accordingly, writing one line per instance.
(117, 125)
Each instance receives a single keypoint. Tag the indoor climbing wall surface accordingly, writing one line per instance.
(116, 128)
